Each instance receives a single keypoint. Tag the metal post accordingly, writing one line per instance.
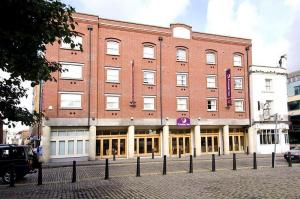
(138, 167)
(276, 134)
(114, 154)
(179, 153)
(290, 159)
(74, 172)
(213, 163)
(247, 150)
(254, 161)
(12, 175)
(195, 155)
(165, 165)
(273, 160)
(234, 162)
(152, 153)
(40, 174)
(191, 164)
(106, 177)
(219, 151)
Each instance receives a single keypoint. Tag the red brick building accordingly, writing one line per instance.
(137, 88)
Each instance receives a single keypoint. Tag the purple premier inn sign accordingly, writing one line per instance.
(228, 87)
(183, 121)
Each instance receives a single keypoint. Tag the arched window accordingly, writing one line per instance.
(211, 57)
(181, 54)
(149, 51)
(112, 47)
(77, 40)
(237, 60)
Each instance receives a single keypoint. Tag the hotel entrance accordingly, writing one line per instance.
(209, 140)
(110, 141)
(145, 141)
(237, 140)
(180, 141)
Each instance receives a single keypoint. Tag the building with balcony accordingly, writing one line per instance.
(138, 88)
(269, 114)
(294, 106)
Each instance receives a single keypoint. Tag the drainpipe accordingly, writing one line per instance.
(160, 39)
(248, 72)
(90, 29)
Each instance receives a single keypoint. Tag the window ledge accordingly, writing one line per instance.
(181, 61)
(70, 108)
(113, 54)
(212, 87)
(70, 78)
(238, 66)
(112, 82)
(240, 111)
(112, 109)
(149, 58)
(182, 110)
(238, 89)
(212, 110)
(211, 64)
(146, 84)
(185, 86)
(70, 49)
(151, 110)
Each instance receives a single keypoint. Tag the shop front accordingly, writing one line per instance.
(209, 141)
(237, 140)
(180, 142)
(146, 141)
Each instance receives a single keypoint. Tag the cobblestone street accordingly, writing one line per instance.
(281, 182)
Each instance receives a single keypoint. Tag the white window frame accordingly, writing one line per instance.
(184, 81)
(210, 100)
(68, 73)
(211, 58)
(145, 78)
(117, 80)
(148, 55)
(75, 39)
(242, 105)
(178, 104)
(211, 84)
(236, 62)
(179, 56)
(71, 94)
(111, 49)
(152, 103)
(268, 86)
(110, 97)
(241, 85)
(267, 136)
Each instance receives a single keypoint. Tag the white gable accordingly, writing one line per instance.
(181, 32)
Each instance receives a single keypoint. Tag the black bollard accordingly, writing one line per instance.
(213, 163)
(12, 175)
(219, 151)
(152, 153)
(114, 154)
(234, 162)
(247, 150)
(290, 159)
(106, 177)
(40, 174)
(195, 155)
(138, 167)
(74, 172)
(179, 153)
(191, 164)
(165, 165)
(273, 160)
(254, 161)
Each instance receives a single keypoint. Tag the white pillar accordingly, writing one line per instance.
(165, 140)
(220, 140)
(45, 143)
(226, 139)
(197, 137)
(92, 143)
(251, 139)
(130, 137)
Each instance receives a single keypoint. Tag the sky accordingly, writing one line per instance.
(273, 25)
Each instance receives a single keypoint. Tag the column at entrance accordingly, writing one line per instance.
(92, 143)
(226, 139)
(130, 142)
(165, 136)
(45, 143)
(197, 139)
(251, 140)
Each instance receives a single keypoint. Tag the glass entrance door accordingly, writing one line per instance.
(143, 145)
(106, 147)
(236, 140)
(180, 144)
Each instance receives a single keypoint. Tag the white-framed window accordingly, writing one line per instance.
(148, 52)
(53, 148)
(149, 103)
(239, 105)
(112, 102)
(61, 150)
(237, 60)
(286, 138)
(210, 58)
(71, 70)
(76, 40)
(112, 47)
(70, 100)
(149, 77)
(182, 103)
(181, 54)
(268, 85)
(267, 136)
(211, 104)
(211, 81)
(112, 75)
(181, 79)
(238, 83)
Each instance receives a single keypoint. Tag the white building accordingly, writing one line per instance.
(268, 98)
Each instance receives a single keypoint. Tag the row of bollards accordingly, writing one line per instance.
(138, 168)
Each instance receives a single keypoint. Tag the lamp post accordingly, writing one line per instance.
(276, 134)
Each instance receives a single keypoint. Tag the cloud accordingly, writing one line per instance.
(265, 22)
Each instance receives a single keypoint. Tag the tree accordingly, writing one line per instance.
(27, 27)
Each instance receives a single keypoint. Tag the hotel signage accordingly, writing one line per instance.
(228, 88)
(183, 121)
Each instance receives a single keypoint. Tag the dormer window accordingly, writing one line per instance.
(237, 60)
(210, 58)
(112, 47)
(181, 54)
(148, 52)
